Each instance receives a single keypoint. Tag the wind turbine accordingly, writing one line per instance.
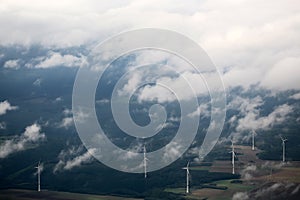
(232, 156)
(283, 148)
(145, 162)
(39, 169)
(253, 144)
(187, 177)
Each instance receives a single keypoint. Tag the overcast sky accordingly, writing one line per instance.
(249, 41)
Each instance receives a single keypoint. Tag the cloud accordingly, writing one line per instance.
(156, 93)
(164, 89)
(252, 120)
(131, 152)
(133, 81)
(102, 101)
(246, 105)
(12, 64)
(172, 151)
(247, 173)
(67, 111)
(240, 196)
(5, 106)
(79, 160)
(32, 135)
(59, 99)
(261, 49)
(242, 77)
(202, 110)
(267, 190)
(272, 165)
(249, 117)
(73, 157)
(295, 96)
(283, 75)
(67, 121)
(55, 59)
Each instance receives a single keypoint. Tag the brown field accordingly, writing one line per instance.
(207, 192)
(285, 174)
(267, 171)
(245, 157)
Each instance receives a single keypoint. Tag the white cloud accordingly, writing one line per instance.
(133, 81)
(265, 191)
(201, 110)
(5, 106)
(283, 75)
(67, 121)
(67, 111)
(131, 152)
(32, 135)
(247, 173)
(295, 96)
(12, 64)
(281, 189)
(185, 87)
(252, 120)
(242, 77)
(245, 105)
(172, 151)
(240, 196)
(79, 160)
(249, 48)
(272, 165)
(102, 101)
(157, 92)
(58, 99)
(73, 157)
(55, 59)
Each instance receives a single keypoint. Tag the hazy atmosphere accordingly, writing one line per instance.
(136, 99)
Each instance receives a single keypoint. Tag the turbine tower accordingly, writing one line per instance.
(187, 177)
(253, 143)
(39, 169)
(145, 162)
(232, 156)
(283, 148)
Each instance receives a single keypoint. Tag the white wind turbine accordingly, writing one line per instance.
(253, 142)
(39, 170)
(232, 156)
(145, 162)
(283, 148)
(187, 177)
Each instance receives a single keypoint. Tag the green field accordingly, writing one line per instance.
(12, 194)
(217, 190)
(234, 186)
(176, 190)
